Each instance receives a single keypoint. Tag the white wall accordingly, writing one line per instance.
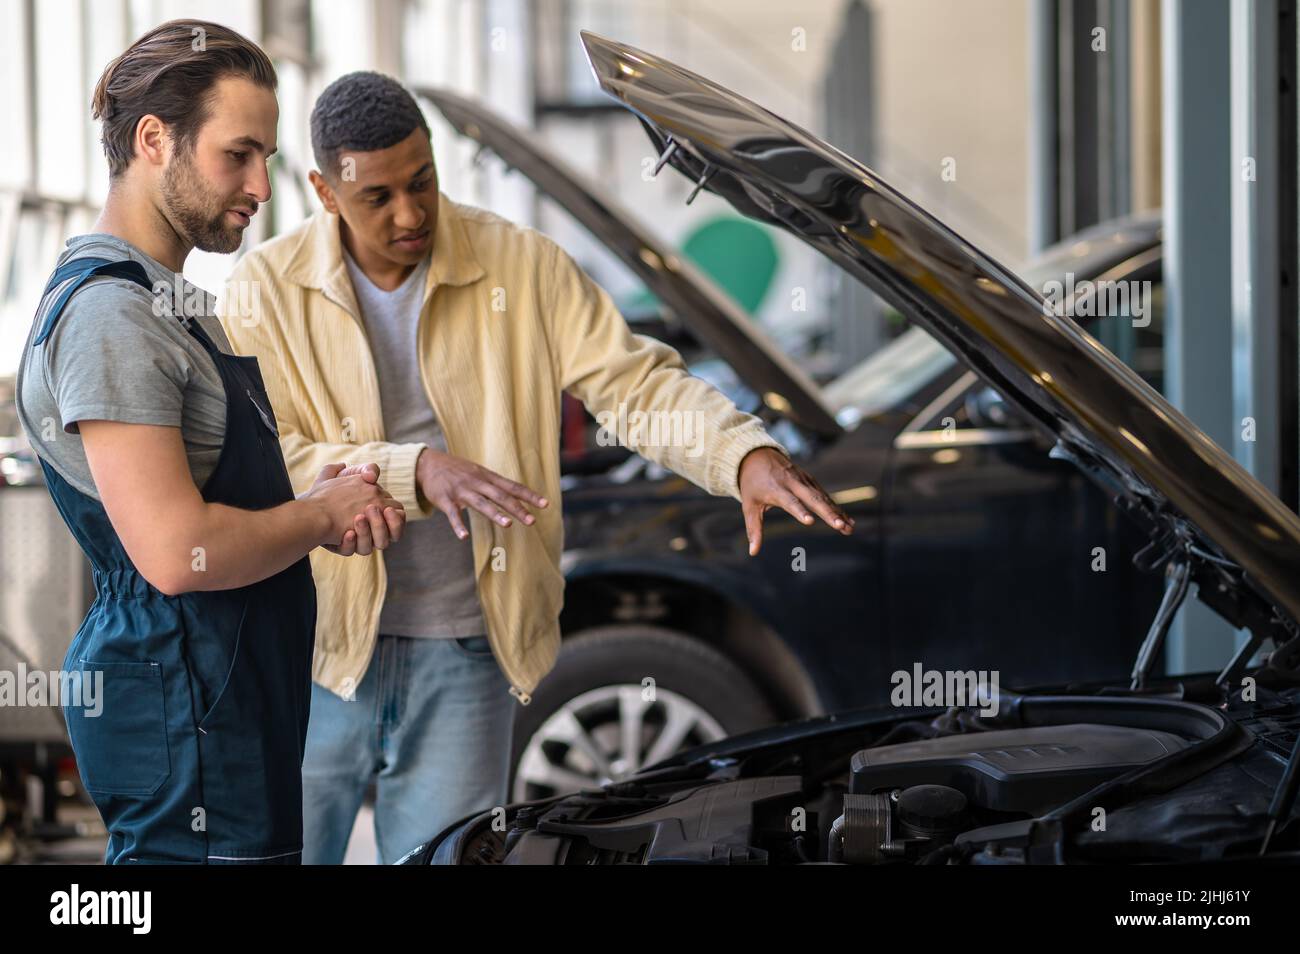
(954, 83)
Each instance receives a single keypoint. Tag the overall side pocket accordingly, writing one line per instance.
(120, 735)
(230, 668)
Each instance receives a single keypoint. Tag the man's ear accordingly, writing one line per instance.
(152, 140)
(324, 192)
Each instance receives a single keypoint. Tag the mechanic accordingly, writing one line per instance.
(159, 448)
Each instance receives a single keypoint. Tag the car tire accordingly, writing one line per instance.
(596, 663)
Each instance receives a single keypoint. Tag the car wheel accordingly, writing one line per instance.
(597, 717)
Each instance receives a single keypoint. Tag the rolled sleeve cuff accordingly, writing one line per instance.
(731, 457)
(400, 479)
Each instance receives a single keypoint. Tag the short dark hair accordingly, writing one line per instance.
(169, 73)
(361, 112)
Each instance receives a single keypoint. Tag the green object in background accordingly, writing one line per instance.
(739, 255)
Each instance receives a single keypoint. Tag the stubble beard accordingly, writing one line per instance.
(195, 210)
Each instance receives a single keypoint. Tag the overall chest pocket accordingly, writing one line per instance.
(278, 486)
(262, 407)
(118, 726)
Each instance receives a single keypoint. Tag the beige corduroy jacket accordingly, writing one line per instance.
(509, 322)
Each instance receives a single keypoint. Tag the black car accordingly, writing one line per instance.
(970, 538)
(1145, 768)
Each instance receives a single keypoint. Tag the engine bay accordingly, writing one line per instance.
(1061, 778)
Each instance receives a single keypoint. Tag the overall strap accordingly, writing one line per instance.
(80, 271)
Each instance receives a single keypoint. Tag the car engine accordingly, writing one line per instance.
(1051, 779)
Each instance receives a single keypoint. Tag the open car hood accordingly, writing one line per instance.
(1199, 505)
(699, 303)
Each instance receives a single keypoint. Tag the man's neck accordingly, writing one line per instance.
(134, 218)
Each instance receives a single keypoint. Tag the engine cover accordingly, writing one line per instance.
(1015, 770)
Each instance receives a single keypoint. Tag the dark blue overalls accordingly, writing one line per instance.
(196, 754)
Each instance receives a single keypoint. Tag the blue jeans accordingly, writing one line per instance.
(430, 726)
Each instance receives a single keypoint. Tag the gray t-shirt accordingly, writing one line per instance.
(431, 586)
(115, 355)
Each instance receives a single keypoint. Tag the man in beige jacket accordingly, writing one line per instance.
(436, 339)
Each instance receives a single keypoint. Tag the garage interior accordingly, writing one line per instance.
(1029, 127)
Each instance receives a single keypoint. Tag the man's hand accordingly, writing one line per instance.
(770, 479)
(371, 529)
(452, 483)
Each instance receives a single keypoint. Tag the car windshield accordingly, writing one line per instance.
(887, 377)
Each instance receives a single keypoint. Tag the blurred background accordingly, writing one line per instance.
(859, 74)
(1018, 122)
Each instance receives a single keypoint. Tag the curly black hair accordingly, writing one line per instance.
(361, 112)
